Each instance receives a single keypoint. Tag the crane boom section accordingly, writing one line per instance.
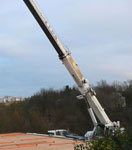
(69, 63)
(63, 54)
(45, 27)
(75, 67)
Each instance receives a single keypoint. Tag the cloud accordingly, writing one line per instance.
(98, 33)
(118, 67)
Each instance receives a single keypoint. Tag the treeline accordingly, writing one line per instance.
(55, 109)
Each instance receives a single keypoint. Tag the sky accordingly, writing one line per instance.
(98, 33)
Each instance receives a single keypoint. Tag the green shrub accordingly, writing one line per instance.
(118, 141)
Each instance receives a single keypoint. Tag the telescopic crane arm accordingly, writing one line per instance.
(86, 91)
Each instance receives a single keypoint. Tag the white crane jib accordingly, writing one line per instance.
(87, 92)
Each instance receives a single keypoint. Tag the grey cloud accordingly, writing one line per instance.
(98, 33)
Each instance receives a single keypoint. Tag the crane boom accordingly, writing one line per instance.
(86, 91)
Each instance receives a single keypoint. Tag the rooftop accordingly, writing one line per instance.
(23, 141)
